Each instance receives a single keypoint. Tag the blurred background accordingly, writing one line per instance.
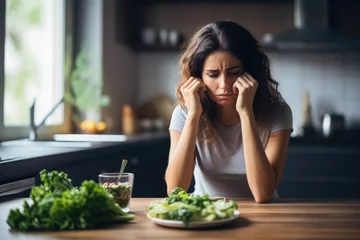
(114, 63)
(128, 51)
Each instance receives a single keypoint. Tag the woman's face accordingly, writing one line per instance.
(220, 71)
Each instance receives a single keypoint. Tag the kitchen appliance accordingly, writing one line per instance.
(333, 124)
(311, 31)
(148, 36)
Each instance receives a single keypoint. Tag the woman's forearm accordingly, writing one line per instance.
(260, 174)
(182, 162)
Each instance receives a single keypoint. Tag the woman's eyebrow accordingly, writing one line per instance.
(231, 68)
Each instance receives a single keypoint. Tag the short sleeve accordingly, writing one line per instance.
(178, 119)
(283, 118)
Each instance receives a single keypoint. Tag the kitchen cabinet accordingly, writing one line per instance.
(149, 165)
(147, 161)
(132, 17)
(321, 172)
(327, 171)
(130, 27)
(147, 154)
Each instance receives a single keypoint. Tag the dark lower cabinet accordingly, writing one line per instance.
(148, 165)
(312, 172)
(148, 162)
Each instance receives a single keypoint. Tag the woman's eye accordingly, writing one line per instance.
(235, 73)
(212, 75)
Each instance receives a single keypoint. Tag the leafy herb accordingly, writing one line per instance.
(57, 205)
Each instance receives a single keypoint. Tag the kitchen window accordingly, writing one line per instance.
(32, 38)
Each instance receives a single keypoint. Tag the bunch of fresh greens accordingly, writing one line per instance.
(57, 205)
(187, 207)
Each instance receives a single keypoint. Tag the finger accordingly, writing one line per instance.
(195, 86)
(186, 85)
(189, 88)
(248, 80)
(243, 82)
(202, 86)
(188, 82)
(237, 86)
(250, 77)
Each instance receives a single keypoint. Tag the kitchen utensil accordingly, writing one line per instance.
(148, 36)
(333, 124)
(163, 36)
(123, 165)
(173, 38)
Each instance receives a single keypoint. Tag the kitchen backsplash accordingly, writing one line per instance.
(156, 73)
(333, 81)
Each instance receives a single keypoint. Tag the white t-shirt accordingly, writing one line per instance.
(220, 169)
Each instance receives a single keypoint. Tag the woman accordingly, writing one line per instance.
(231, 128)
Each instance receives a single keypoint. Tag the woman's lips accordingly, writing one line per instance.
(225, 95)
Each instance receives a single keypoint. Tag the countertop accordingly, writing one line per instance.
(27, 161)
(285, 219)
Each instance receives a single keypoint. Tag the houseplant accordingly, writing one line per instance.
(84, 93)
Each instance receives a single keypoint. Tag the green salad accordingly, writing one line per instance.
(58, 205)
(188, 207)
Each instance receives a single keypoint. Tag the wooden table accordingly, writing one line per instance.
(285, 219)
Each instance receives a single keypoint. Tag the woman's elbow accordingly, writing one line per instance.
(264, 195)
(262, 198)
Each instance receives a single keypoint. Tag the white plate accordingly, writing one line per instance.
(196, 224)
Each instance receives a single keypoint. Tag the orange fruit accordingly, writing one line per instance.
(88, 125)
(101, 126)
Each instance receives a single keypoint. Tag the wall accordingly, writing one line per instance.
(89, 38)
(157, 73)
(118, 68)
(331, 79)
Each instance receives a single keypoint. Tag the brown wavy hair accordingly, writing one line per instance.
(230, 37)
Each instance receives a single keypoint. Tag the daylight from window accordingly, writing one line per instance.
(34, 60)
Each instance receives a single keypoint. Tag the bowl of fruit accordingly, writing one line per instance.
(92, 126)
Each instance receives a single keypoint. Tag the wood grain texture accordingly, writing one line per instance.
(285, 219)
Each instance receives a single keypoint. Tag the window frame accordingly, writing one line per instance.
(17, 132)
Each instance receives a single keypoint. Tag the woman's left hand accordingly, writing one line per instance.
(246, 87)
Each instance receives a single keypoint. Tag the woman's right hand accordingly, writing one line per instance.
(190, 91)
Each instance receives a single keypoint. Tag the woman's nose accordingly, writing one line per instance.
(225, 81)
